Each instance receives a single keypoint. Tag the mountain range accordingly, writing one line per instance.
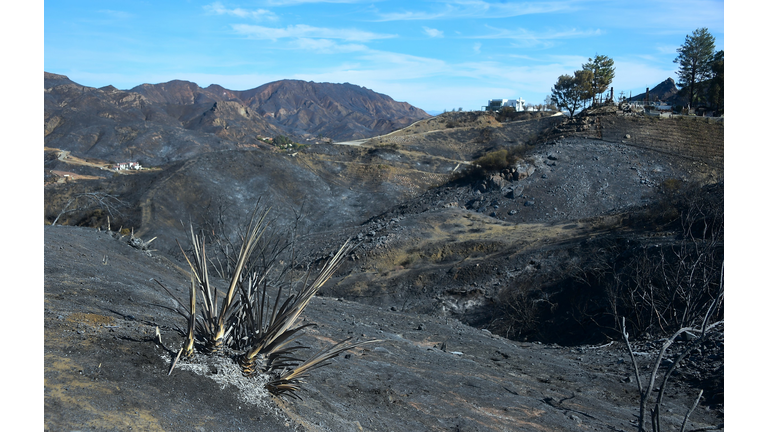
(161, 123)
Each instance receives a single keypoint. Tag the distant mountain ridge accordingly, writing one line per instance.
(665, 91)
(170, 121)
(340, 111)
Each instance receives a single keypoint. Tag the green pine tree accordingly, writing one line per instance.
(695, 58)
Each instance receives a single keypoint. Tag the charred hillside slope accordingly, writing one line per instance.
(163, 123)
(488, 251)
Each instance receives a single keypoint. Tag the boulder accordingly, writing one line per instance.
(498, 182)
(523, 170)
(513, 191)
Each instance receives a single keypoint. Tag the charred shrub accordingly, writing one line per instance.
(669, 284)
(662, 274)
(489, 163)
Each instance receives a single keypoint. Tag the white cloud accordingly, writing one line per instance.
(300, 2)
(373, 67)
(411, 16)
(326, 46)
(667, 49)
(304, 31)
(459, 9)
(525, 38)
(477, 47)
(259, 14)
(663, 16)
(435, 33)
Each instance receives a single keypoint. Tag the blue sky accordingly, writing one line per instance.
(436, 55)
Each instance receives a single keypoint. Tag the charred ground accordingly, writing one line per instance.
(524, 251)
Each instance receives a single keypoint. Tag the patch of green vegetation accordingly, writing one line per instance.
(282, 142)
(493, 161)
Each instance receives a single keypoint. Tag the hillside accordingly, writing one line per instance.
(512, 240)
(162, 123)
(105, 368)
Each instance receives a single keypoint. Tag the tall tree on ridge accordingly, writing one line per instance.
(695, 59)
(570, 92)
(603, 73)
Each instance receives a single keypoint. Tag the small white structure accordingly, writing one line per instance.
(497, 104)
(127, 165)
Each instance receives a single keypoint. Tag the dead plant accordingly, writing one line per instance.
(246, 323)
(703, 331)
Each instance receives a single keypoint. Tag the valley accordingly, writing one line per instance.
(504, 240)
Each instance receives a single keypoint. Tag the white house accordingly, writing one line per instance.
(127, 165)
(497, 104)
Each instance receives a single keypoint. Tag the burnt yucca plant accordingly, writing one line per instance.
(245, 321)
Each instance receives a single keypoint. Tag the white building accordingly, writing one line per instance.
(497, 104)
(127, 165)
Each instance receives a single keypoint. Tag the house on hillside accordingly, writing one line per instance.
(498, 104)
(126, 165)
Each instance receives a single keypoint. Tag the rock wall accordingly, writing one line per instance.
(700, 139)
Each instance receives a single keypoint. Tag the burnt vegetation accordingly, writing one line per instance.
(660, 269)
(650, 274)
(257, 320)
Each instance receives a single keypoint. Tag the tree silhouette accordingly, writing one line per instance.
(603, 73)
(695, 59)
(570, 92)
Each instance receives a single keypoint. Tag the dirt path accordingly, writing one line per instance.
(66, 157)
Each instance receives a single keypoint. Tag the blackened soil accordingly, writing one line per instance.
(106, 370)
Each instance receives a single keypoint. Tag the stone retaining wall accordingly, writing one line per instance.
(699, 139)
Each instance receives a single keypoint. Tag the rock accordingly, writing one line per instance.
(475, 204)
(513, 191)
(512, 212)
(523, 170)
(627, 136)
(529, 203)
(498, 182)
